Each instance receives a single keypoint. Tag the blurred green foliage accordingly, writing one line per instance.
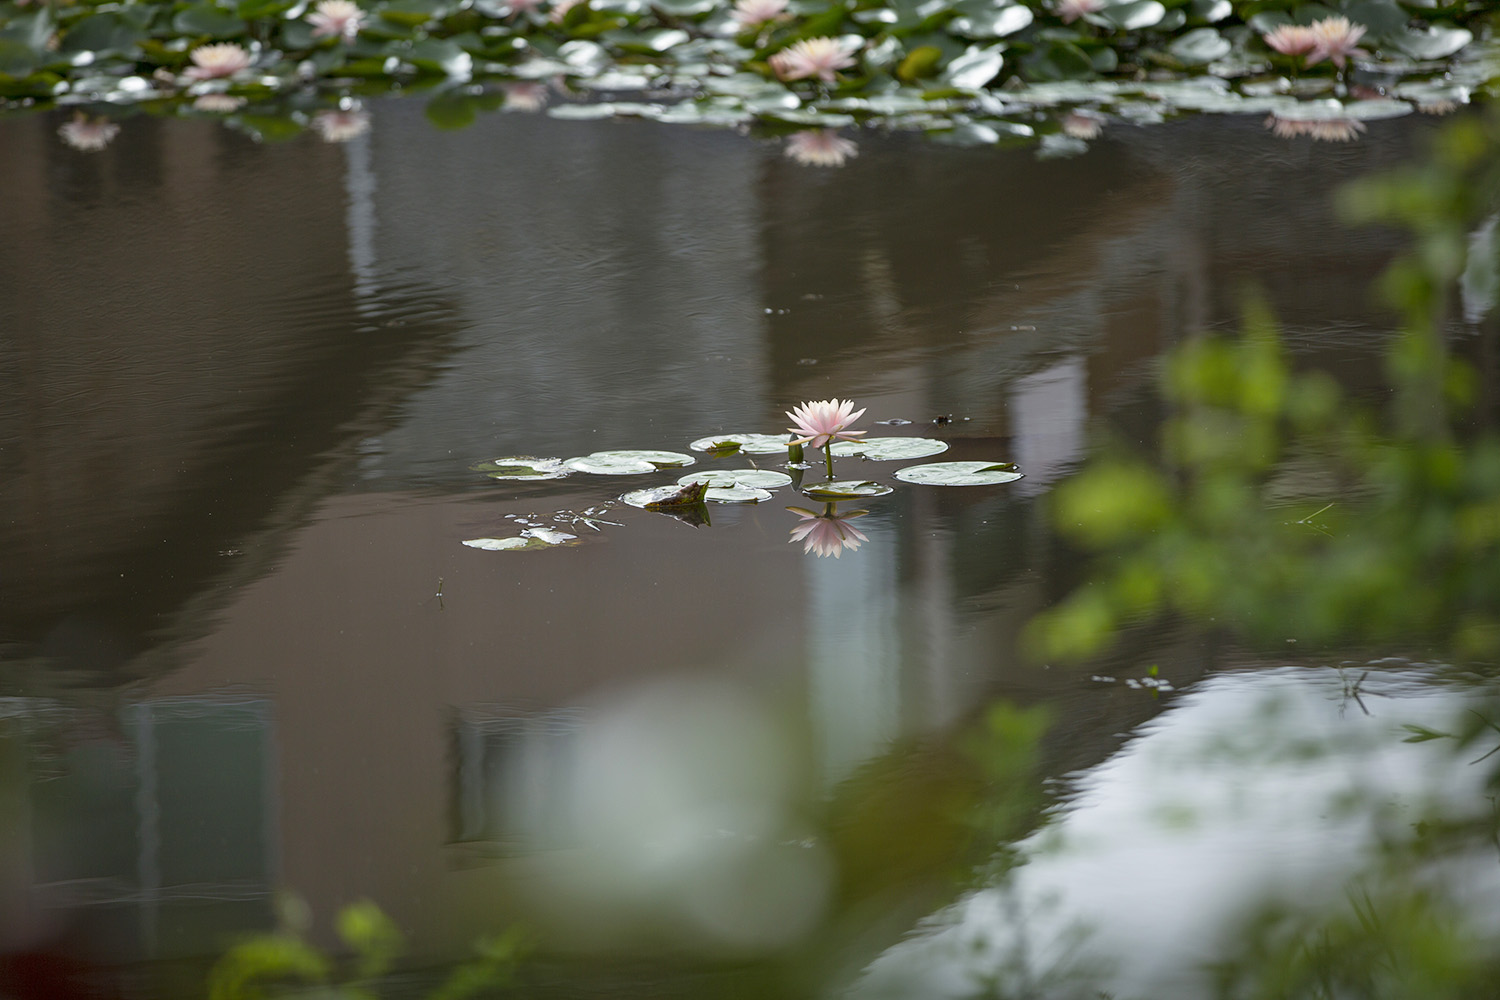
(1282, 508)
(283, 963)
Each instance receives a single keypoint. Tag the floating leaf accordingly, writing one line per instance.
(975, 68)
(1134, 16)
(760, 479)
(672, 495)
(995, 22)
(891, 449)
(851, 489)
(960, 474)
(750, 444)
(522, 467)
(736, 494)
(533, 538)
(626, 463)
(1201, 45)
(1435, 42)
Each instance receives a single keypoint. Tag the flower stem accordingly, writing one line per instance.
(828, 456)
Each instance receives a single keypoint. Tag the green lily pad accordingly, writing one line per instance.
(1435, 42)
(627, 463)
(757, 479)
(1201, 45)
(736, 494)
(891, 449)
(522, 467)
(531, 538)
(663, 497)
(1133, 16)
(849, 489)
(960, 474)
(750, 444)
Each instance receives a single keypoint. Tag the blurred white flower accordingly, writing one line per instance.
(341, 126)
(88, 136)
(819, 57)
(754, 13)
(820, 148)
(212, 62)
(1291, 39)
(1072, 10)
(218, 103)
(336, 19)
(525, 95)
(1334, 39)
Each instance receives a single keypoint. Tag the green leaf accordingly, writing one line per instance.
(846, 490)
(993, 22)
(101, 33)
(891, 449)
(17, 58)
(207, 19)
(1434, 42)
(522, 467)
(960, 474)
(975, 68)
(919, 62)
(626, 463)
(1133, 16)
(750, 444)
(1201, 45)
(760, 479)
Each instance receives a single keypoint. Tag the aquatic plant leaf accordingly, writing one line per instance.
(750, 444)
(760, 479)
(522, 467)
(851, 489)
(626, 463)
(993, 23)
(975, 68)
(671, 495)
(1134, 16)
(1201, 45)
(512, 543)
(890, 449)
(960, 474)
(736, 494)
(1210, 11)
(1434, 42)
(206, 19)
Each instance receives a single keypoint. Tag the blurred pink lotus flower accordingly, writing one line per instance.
(1072, 10)
(88, 136)
(819, 147)
(827, 534)
(212, 62)
(749, 14)
(824, 421)
(342, 125)
(819, 57)
(336, 19)
(1291, 39)
(1334, 39)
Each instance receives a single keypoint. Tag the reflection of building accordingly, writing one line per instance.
(535, 286)
(136, 831)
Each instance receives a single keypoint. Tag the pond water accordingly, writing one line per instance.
(245, 648)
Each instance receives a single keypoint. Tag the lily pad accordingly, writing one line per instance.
(1434, 42)
(522, 467)
(736, 494)
(531, 538)
(671, 495)
(750, 444)
(849, 489)
(960, 474)
(627, 463)
(756, 479)
(891, 449)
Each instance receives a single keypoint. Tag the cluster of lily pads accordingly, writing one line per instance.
(975, 71)
(686, 498)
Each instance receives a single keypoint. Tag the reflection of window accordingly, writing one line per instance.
(513, 779)
(159, 823)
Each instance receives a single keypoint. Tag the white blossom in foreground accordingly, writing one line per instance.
(213, 62)
(337, 19)
(819, 57)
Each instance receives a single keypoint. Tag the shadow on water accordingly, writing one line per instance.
(237, 481)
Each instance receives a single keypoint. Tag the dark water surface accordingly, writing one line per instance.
(241, 387)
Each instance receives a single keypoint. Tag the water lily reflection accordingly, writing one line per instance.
(341, 126)
(1319, 129)
(828, 533)
(525, 95)
(819, 147)
(89, 136)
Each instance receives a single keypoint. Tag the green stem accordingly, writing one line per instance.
(828, 456)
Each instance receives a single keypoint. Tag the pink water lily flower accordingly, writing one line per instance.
(827, 534)
(749, 14)
(824, 421)
(819, 57)
(1334, 39)
(336, 19)
(1072, 10)
(1291, 39)
(211, 62)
